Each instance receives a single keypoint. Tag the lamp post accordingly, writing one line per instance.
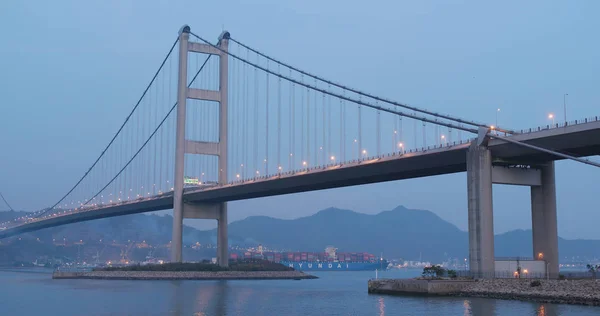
(565, 106)
(551, 117)
(498, 110)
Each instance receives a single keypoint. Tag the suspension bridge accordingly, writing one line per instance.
(225, 122)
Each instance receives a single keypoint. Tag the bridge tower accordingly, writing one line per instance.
(183, 146)
(482, 172)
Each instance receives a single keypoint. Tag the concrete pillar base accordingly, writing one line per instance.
(216, 211)
(481, 217)
(544, 221)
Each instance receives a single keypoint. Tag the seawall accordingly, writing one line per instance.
(183, 275)
(416, 286)
(580, 292)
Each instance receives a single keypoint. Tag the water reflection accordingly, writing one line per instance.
(467, 306)
(381, 306)
(177, 297)
(547, 310)
(242, 300)
(199, 298)
(480, 306)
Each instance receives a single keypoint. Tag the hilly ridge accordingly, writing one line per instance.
(396, 233)
(399, 233)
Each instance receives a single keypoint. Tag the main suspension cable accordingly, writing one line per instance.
(120, 128)
(406, 106)
(360, 102)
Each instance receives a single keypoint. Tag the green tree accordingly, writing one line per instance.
(593, 269)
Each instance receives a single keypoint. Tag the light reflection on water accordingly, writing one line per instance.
(335, 293)
(381, 307)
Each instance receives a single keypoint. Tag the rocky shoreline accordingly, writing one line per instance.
(184, 275)
(578, 292)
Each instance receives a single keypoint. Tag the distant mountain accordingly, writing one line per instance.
(8, 215)
(109, 238)
(520, 243)
(153, 229)
(399, 233)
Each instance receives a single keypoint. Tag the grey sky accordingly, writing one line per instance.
(71, 70)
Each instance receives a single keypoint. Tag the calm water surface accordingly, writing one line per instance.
(33, 292)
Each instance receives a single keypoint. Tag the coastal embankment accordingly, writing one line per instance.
(183, 275)
(579, 292)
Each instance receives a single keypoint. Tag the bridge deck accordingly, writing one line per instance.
(578, 140)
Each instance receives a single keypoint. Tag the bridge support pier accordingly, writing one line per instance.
(185, 146)
(481, 217)
(216, 211)
(543, 220)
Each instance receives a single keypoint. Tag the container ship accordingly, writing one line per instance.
(329, 260)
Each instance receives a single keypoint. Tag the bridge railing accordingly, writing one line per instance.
(561, 124)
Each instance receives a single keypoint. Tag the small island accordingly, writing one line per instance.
(237, 270)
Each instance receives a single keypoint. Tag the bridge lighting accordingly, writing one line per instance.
(395, 132)
(355, 140)
(279, 168)
(257, 172)
(492, 127)
(304, 163)
(237, 175)
(498, 110)
(551, 117)
(291, 154)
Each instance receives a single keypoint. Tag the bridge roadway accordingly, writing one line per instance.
(582, 139)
